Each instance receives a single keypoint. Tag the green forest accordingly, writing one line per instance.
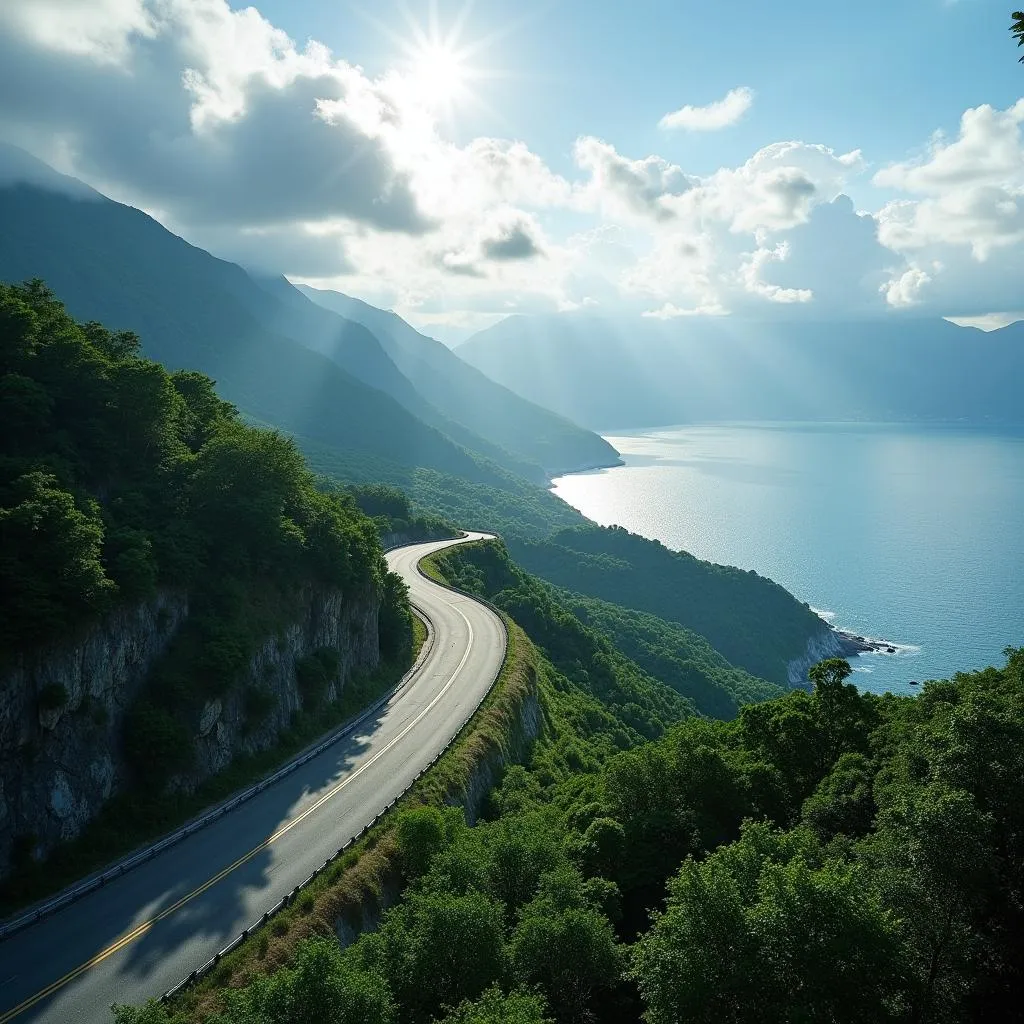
(685, 839)
(824, 856)
(118, 478)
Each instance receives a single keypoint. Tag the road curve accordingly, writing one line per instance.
(142, 933)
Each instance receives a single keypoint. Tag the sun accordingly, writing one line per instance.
(438, 73)
(439, 65)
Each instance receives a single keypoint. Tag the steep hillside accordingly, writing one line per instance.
(114, 264)
(609, 374)
(471, 398)
(674, 654)
(278, 304)
(176, 590)
(754, 623)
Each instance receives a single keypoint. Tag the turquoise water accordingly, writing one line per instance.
(908, 534)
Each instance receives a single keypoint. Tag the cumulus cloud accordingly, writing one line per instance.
(720, 114)
(835, 254)
(751, 274)
(621, 185)
(512, 242)
(507, 236)
(209, 114)
(960, 226)
(292, 159)
(777, 187)
(100, 31)
(905, 290)
(971, 189)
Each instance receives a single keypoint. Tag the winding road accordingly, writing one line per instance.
(142, 933)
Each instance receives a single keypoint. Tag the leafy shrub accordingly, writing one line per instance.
(394, 621)
(129, 555)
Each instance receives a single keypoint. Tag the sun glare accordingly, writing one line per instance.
(437, 73)
(437, 62)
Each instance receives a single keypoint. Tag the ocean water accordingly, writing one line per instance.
(913, 535)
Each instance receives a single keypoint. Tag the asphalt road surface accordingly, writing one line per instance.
(143, 933)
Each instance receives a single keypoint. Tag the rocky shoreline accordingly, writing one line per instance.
(854, 644)
(833, 643)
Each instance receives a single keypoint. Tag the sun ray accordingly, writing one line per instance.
(445, 68)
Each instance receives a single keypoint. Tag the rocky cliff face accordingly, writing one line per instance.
(62, 712)
(346, 625)
(826, 643)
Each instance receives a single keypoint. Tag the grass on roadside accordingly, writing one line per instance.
(356, 887)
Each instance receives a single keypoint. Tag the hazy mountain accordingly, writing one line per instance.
(469, 397)
(610, 374)
(114, 264)
(280, 305)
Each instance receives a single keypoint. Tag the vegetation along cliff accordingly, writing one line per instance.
(176, 589)
(825, 856)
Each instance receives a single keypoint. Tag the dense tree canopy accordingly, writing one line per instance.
(823, 856)
(117, 476)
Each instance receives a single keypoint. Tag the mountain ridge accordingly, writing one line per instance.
(612, 374)
(485, 407)
(280, 357)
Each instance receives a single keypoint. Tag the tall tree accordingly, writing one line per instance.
(1017, 28)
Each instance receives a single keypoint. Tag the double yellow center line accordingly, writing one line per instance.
(141, 929)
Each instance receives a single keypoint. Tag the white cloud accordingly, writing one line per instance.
(777, 187)
(621, 186)
(294, 159)
(905, 290)
(971, 189)
(571, 306)
(751, 271)
(720, 114)
(212, 116)
(100, 31)
(669, 311)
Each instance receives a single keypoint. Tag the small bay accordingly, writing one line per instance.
(912, 534)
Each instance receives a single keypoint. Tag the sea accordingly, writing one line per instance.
(910, 534)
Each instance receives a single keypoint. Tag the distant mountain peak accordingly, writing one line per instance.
(19, 167)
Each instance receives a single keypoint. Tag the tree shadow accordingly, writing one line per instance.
(190, 900)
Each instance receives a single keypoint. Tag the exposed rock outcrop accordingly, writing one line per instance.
(346, 625)
(62, 712)
(827, 643)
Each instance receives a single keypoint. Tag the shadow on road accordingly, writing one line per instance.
(171, 948)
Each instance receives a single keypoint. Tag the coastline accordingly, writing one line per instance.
(572, 470)
(833, 642)
(856, 644)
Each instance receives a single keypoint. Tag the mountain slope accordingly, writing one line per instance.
(114, 264)
(280, 305)
(610, 374)
(751, 621)
(471, 398)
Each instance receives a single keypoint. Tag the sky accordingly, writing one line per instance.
(461, 161)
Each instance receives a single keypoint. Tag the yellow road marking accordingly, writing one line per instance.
(141, 929)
